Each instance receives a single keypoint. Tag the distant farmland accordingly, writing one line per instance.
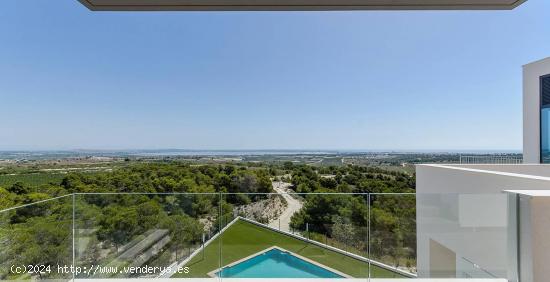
(32, 179)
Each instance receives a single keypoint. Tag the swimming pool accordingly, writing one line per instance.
(276, 263)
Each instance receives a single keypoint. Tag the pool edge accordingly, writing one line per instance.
(212, 273)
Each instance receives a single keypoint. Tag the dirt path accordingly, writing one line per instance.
(293, 205)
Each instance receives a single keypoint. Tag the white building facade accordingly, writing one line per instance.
(488, 220)
(536, 112)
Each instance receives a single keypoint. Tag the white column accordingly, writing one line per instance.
(531, 109)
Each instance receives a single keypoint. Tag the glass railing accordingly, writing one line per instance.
(36, 240)
(255, 235)
(392, 229)
(466, 236)
(142, 235)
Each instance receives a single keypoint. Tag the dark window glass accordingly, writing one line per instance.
(545, 119)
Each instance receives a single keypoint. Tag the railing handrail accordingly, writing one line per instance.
(35, 203)
(192, 193)
(490, 159)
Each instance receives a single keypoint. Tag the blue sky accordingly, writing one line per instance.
(71, 78)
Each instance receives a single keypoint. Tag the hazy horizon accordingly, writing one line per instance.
(282, 150)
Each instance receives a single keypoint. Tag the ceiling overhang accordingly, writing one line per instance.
(297, 5)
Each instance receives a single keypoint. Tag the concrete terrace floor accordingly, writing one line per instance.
(243, 239)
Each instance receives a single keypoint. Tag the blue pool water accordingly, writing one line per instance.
(276, 263)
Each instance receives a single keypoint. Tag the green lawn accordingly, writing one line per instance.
(243, 239)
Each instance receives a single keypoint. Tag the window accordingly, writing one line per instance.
(545, 119)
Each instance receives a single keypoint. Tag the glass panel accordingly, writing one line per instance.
(146, 235)
(36, 241)
(545, 119)
(283, 235)
(289, 235)
(463, 235)
(393, 235)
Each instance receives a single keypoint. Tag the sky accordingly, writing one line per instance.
(363, 80)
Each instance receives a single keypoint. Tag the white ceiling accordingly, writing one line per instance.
(183, 5)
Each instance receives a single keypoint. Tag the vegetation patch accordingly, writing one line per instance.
(33, 179)
(243, 239)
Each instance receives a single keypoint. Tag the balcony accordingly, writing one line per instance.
(488, 214)
(200, 237)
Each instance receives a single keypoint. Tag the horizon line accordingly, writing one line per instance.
(262, 150)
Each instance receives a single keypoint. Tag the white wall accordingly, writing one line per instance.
(464, 209)
(530, 169)
(457, 179)
(531, 108)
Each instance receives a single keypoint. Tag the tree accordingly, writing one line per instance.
(320, 210)
(184, 230)
(118, 225)
(342, 230)
(6, 199)
(19, 188)
(38, 241)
